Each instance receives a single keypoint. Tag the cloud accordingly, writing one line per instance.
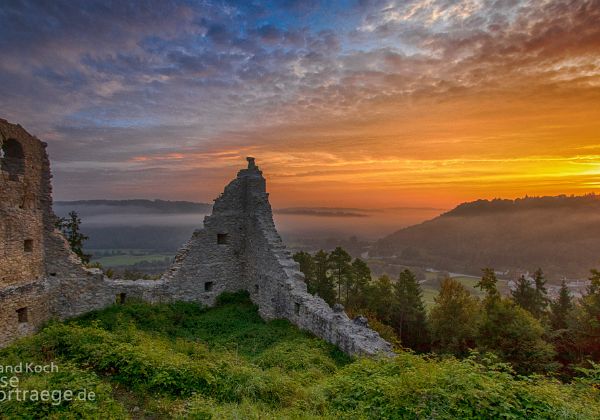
(322, 92)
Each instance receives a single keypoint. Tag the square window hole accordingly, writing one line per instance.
(28, 245)
(222, 238)
(208, 286)
(121, 298)
(256, 288)
(22, 315)
(297, 308)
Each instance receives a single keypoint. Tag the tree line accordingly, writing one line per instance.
(526, 329)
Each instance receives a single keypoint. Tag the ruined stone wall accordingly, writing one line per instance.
(237, 249)
(254, 258)
(21, 207)
(30, 246)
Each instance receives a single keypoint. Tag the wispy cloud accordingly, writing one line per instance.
(145, 98)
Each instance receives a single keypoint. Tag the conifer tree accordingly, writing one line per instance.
(361, 282)
(307, 266)
(541, 294)
(71, 228)
(488, 285)
(339, 263)
(409, 318)
(584, 322)
(324, 286)
(454, 319)
(560, 308)
(380, 299)
(525, 295)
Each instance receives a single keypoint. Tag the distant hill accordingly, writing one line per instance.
(560, 234)
(95, 207)
(136, 224)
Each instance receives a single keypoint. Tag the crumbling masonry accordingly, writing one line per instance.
(238, 249)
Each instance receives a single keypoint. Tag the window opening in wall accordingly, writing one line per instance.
(256, 288)
(121, 298)
(208, 286)
(22, 315)
(297, 308)
(28, 245)
(222, 238)
(12, 159)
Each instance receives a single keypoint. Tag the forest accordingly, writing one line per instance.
(559, 233)
(528, 330)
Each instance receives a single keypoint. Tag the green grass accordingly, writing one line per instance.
(429, 295)
(183, 361)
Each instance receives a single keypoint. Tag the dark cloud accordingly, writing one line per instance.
(106, 82)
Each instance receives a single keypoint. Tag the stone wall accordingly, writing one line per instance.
(237, 249)
(34, 256)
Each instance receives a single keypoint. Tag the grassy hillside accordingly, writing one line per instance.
(560, 234)
(179, 360)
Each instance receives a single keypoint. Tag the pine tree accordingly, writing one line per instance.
(584, 322)
(541, 294)
(488, 285)
(361, 282)
(380, 298)
(307, 266)
(324, 286)
(524, 295)
(560, 308)
(339, 263)
(409, 318)
(71, 228)
(454, 319)
(515, 336)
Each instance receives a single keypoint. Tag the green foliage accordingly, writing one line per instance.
(489, 285)
(409, 318)
(584, 322)
(515, 336)
(454, 319)
(524, 295)
(307, 266)
(414, 387)
(324, 286)
(381, 298)
(71, 228)
(360, 284)
(68, 378)
(559, 309)
(341, 268)
(182, 361)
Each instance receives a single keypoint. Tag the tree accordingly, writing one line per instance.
(541, 294)
(307, 266)
(454, 319)
(71, 228)
(409, 318)
(488, 285)
(515, 336)
(361, 282)
(339, 262)
(560, 308)
(584, 322)
(324, 286)
(380, 298)
(524, 295)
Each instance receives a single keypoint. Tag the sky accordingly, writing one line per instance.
(416, 103)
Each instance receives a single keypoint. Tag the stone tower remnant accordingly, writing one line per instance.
(237, 249)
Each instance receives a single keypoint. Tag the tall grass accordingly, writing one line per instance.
(181, 360)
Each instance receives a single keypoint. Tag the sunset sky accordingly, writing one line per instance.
(343, 104)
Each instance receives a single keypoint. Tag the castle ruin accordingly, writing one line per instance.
(237, 249)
